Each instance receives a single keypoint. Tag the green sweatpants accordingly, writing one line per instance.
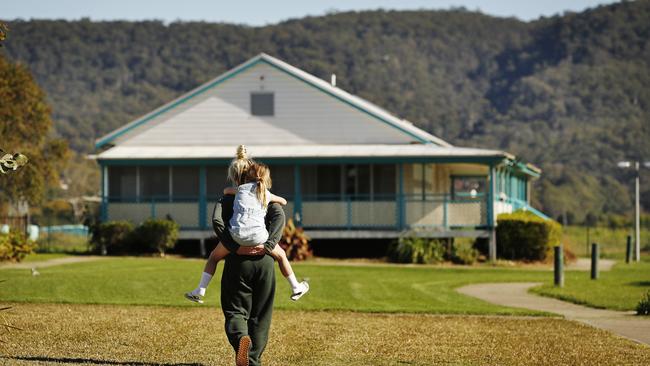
(247, 293)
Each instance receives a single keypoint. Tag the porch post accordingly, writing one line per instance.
(104, 205)
(202, 198)
(297, 195)
(492, 246)
(400, 196)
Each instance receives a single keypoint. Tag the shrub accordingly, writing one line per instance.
(155, 235)
(295, 242)
(463, 251)
(523, 235)
(643, 308)
(14, 246)
(112, 237)
(408, 249)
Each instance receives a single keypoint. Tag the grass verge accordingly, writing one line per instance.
(618, 289)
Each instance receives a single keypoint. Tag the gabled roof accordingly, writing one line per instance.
(360, 104)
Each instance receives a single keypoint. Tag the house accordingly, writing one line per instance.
(349, 168)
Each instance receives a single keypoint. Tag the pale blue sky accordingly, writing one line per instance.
(266, 11)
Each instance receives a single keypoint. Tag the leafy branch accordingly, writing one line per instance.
(9, 162)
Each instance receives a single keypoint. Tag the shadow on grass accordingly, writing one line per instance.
(640, 283)
(93, 361)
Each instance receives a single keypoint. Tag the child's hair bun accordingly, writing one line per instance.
(241, 152)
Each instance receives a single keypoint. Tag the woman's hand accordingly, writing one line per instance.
(256, 250)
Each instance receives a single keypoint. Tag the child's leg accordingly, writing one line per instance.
(216, 255)
(298, 288)
(281, 256)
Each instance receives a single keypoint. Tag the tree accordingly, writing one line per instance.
(25, 126)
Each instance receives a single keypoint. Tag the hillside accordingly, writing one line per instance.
(569, 93)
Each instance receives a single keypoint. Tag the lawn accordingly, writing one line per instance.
(364, 288)
(156, 281)
(619, 289)
(73, 334)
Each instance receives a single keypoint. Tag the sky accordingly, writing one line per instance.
(262, 12)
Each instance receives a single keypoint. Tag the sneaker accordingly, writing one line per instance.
(192, 297)
(305, 288)
(242, 351)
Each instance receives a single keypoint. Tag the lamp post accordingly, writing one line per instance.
(637, 206)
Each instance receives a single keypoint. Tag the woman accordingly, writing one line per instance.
(247, 284)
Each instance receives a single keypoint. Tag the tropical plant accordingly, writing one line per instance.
(410, 248)
(295, 242)
(14, 246)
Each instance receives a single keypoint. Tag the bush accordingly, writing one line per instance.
(523, 235)
(155, 235)
(14, 246)
(463, 251)
(417, 250)
(295, 242)
(643, 308)
(112, 237)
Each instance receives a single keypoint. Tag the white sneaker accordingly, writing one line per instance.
(192, 296)
(298, 294)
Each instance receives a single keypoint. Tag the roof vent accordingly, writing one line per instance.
(333, 80)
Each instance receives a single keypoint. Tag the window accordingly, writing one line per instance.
(262, 104)
(464, 187)
(185, 182)
(384, 179)
(357, 181)
(216, 177)
(121, 183)
(154, 182)
(283, 180)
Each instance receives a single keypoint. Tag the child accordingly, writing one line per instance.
(247, 228)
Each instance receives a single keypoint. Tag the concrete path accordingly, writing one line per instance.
(625, 324)
(50, 262)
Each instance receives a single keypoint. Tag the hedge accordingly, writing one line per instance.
(522, 235)
(121, 237)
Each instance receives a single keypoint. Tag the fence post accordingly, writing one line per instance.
(628, 250)
(594, 261)
(558, 268)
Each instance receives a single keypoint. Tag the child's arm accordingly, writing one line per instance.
(277, 199)
(230, 190)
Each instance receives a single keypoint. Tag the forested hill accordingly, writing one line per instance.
(569, 93)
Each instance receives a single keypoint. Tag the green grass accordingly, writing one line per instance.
(154, 281)
(364, 288)
(619, 289)
(612, 242)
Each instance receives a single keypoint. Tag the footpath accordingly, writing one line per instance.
(50, 262)
(516, 295)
